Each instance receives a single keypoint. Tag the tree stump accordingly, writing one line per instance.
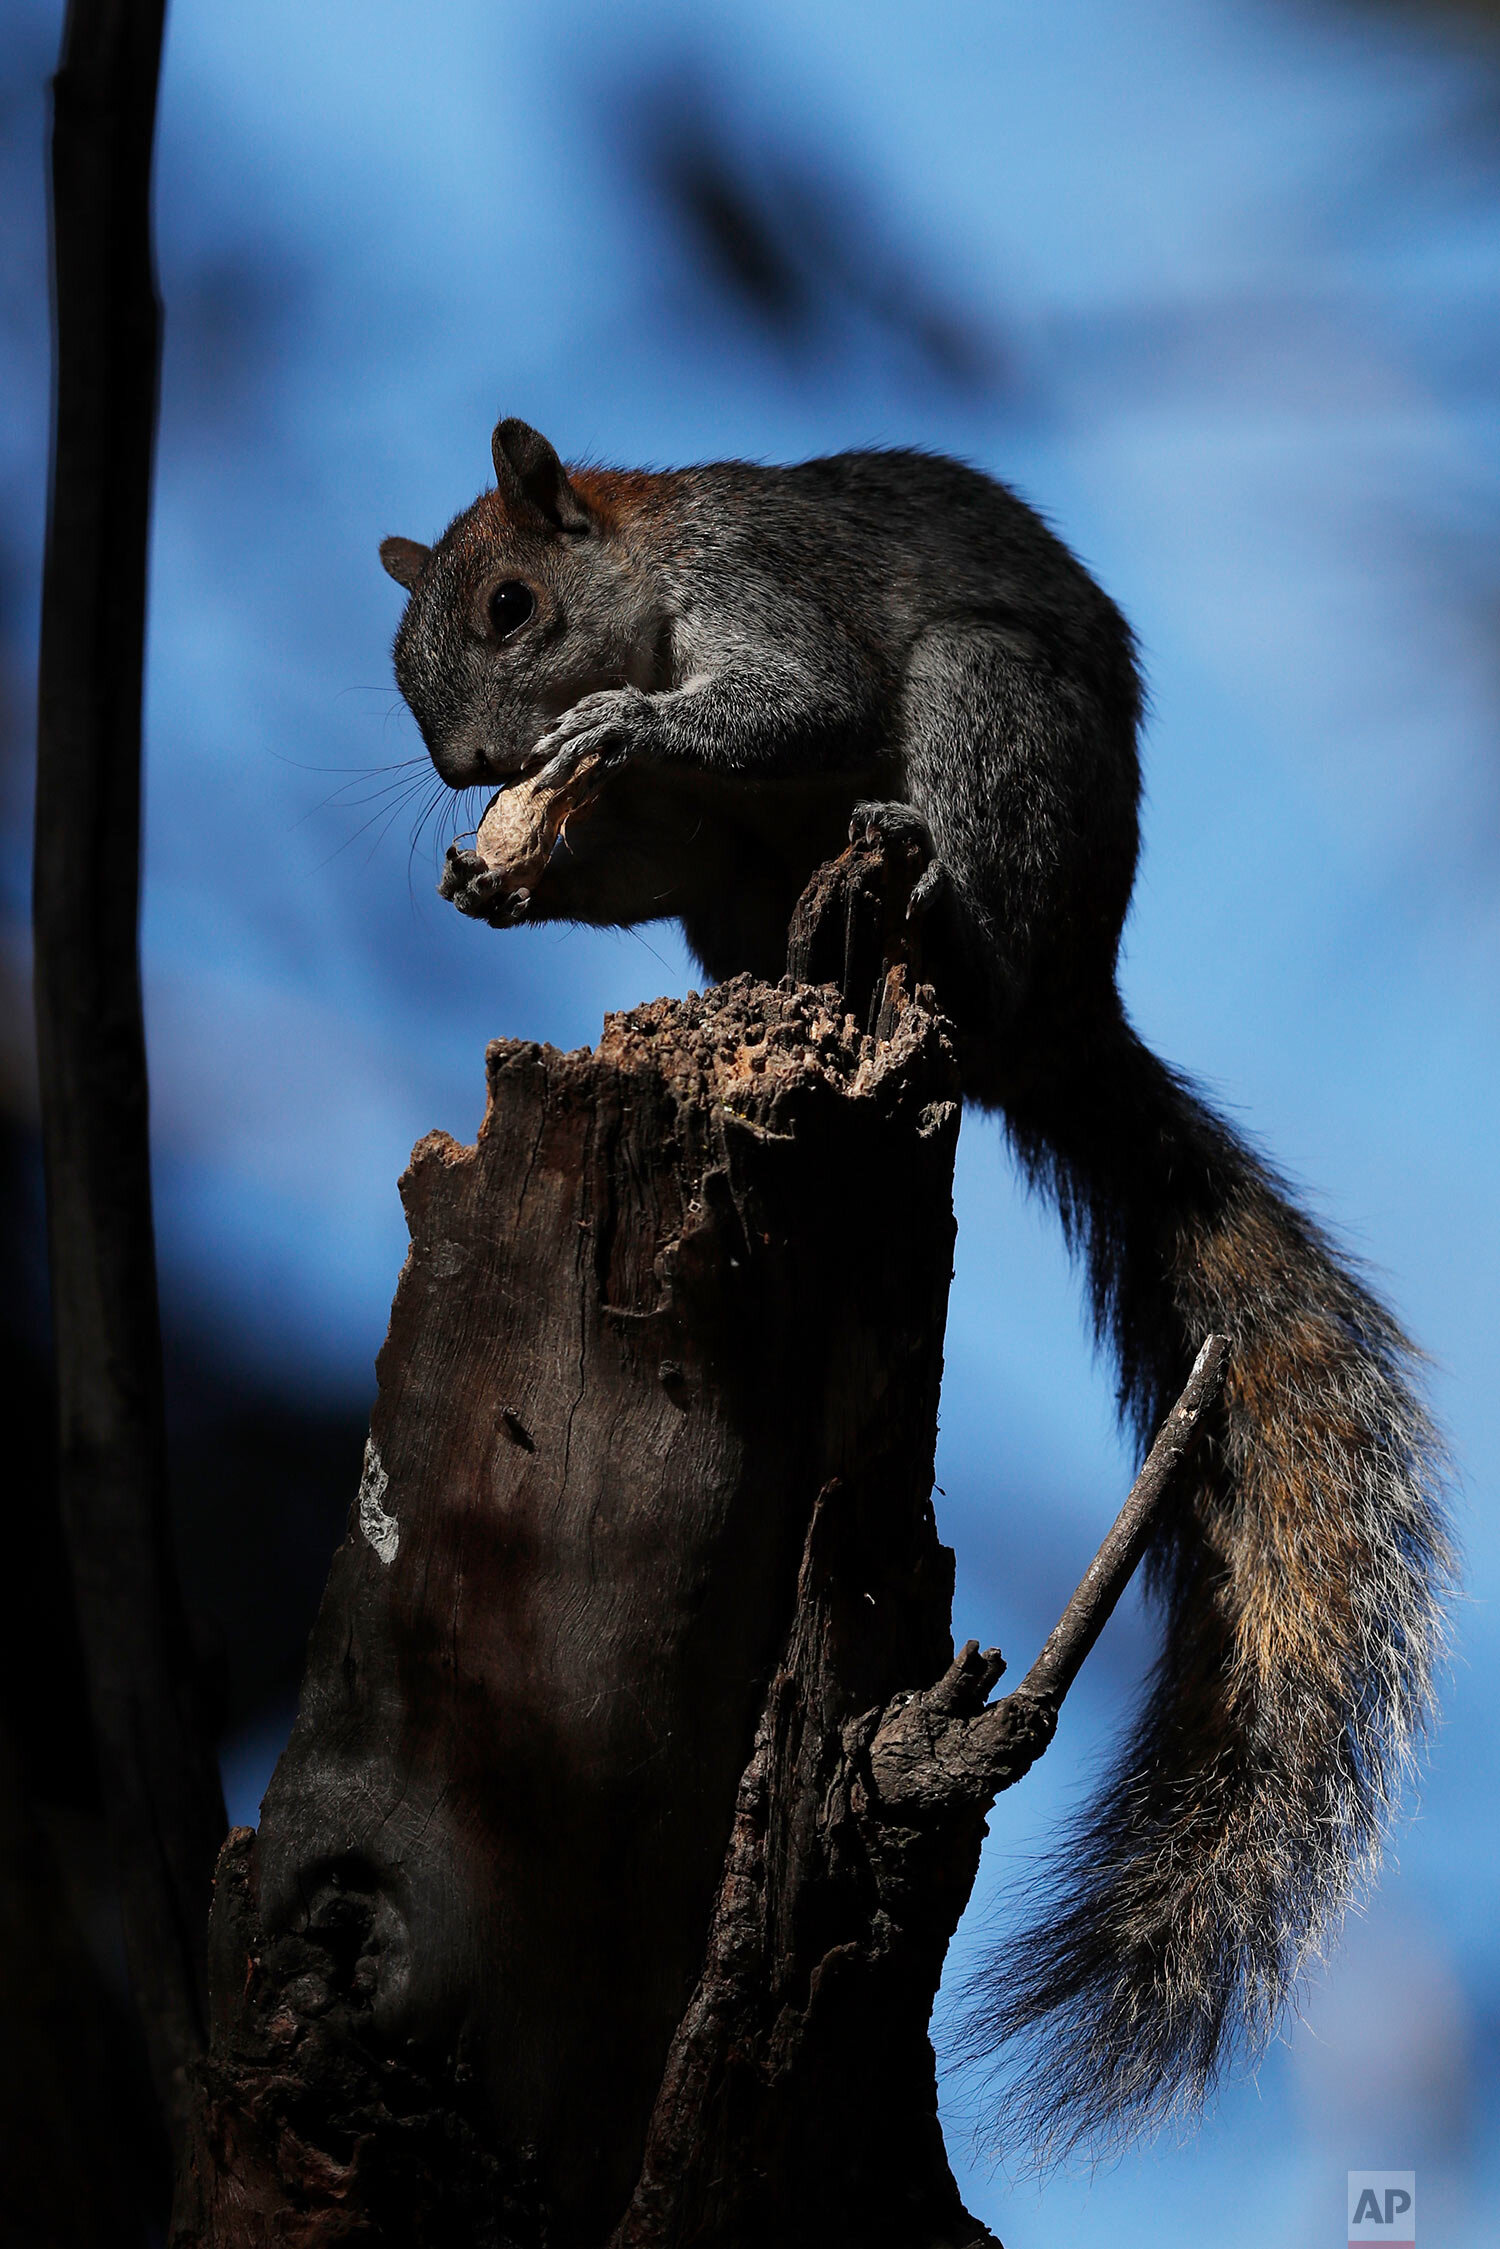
(603, 1890)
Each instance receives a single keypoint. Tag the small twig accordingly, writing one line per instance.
(947, 1747)
(1107, 1576)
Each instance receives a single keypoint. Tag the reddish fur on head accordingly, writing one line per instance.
(484, 696)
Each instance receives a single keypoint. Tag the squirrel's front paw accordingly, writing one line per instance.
(609, 725)
(460, 869)
(481, 891)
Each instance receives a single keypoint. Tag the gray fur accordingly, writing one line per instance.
(757, 650)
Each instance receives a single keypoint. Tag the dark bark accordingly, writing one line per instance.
(76, 2155)
(156, 1764)
(800, 2098)
(603, 1890)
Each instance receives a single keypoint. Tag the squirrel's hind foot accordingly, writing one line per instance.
(902, 826)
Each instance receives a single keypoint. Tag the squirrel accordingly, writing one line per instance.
(761, 656)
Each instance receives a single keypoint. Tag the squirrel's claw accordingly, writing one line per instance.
(460, 870)
(904, 826)
(479, 891)
(931, 884)
(564, 761)
(608, 725)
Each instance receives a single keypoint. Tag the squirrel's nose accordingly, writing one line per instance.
(465, 757)
(461, 769)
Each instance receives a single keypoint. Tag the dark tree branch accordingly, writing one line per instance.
(161, 1785)
(951, 1745)
(1094, 1602)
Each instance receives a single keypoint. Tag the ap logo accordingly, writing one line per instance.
(1383, 2207)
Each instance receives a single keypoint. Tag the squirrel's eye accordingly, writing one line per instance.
(510, 606)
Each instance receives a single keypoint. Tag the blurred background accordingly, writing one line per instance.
(1214, 283)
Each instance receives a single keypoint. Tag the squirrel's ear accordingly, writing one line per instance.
(530, 474)
(404, 558)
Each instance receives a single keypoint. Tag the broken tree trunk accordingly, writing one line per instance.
(604, 1887)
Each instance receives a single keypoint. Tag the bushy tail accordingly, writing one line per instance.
(1302, 1576)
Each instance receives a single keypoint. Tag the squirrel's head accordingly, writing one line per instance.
(527, 603)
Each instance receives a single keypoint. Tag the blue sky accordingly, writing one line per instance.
(1228, 272)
